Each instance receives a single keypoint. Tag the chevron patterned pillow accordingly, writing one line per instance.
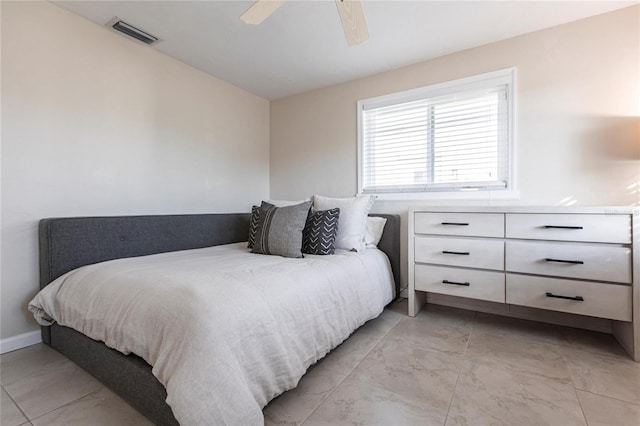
(319, 233)
(253, 225)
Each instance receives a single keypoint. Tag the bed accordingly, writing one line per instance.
(69, 243)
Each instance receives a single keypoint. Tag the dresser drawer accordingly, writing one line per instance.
(585, 261)
(483, 285)
(466, 252)
(598, 300)
(570, 227)
(463, 224)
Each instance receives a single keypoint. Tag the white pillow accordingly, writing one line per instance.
(353, 218)
(287, 203)
(373, 233)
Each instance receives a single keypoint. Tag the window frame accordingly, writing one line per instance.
(504, 76)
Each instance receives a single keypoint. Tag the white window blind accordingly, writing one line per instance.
(449, 142)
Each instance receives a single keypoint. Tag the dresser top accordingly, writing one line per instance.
(529, 209)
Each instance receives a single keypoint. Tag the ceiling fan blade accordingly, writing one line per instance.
(353, 21)
(260, 11)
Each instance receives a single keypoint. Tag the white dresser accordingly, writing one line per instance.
(576, 260)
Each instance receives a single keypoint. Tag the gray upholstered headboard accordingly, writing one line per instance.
(69, 243)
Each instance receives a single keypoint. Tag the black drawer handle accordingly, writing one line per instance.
(455, 223)
(454, 283)
(462, 253)
(562, 227)
(573, 262)
(578, 298)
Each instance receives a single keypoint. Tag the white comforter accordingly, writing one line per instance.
(225, 330)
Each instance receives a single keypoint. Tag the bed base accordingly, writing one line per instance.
(68, 243)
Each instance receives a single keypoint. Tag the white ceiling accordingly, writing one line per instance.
(302, 47)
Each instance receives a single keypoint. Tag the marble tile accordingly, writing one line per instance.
(446, 315)
(426, 377)
(19, 364)
(615, 377)
(348, 355)
(48, 389)
(398, 306)
(490, 395)
(101, 408)
(355, 402)
(381, 325)
(10, 414)
(591, 341)
(603, 411)
(518, 356)
(515, 328)
(445, 331)
(390, 315)
(294, 406)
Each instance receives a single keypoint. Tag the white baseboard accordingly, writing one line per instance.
(404, 293)
(20, 341)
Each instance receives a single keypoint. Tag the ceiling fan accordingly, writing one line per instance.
(350, 11)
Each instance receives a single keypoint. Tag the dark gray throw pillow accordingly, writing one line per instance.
(279, 229)
(319, 234)
(253, 225)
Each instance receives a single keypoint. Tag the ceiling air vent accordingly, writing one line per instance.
(131, 31)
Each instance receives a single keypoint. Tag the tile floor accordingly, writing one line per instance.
(445, 366)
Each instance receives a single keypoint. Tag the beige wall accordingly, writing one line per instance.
(94, 124)
(577, 125)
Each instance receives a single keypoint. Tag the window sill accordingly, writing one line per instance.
(503, 194)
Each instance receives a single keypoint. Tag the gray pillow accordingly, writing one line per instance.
(279, 229)
(253, 224)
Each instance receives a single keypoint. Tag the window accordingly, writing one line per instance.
(454, 136)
